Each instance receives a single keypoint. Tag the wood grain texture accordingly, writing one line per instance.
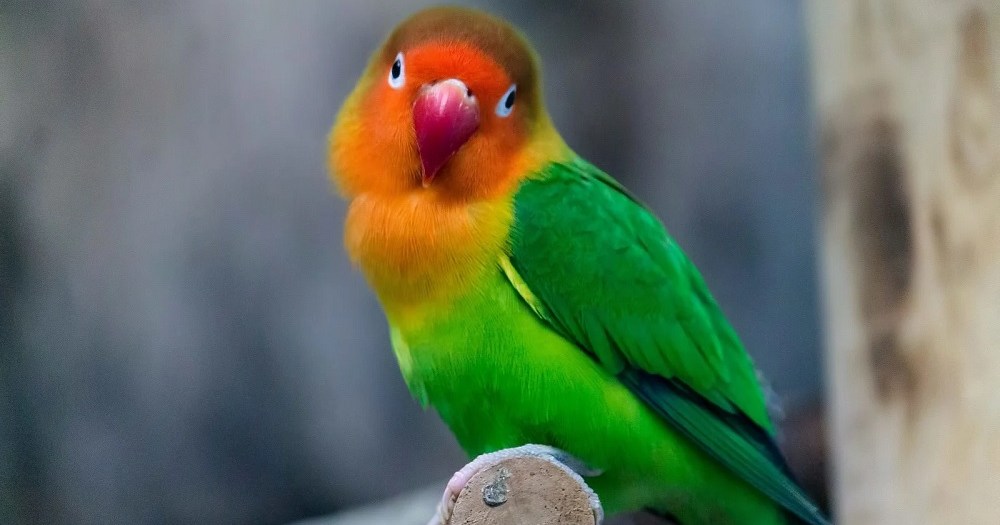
(523, 490)
(908, 98)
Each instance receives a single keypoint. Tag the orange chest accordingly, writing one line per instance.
(415, 248)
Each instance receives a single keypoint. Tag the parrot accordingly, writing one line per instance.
(531, 298)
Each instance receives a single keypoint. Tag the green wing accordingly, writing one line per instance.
(601, 269)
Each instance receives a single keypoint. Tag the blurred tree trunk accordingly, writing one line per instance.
(909, 107)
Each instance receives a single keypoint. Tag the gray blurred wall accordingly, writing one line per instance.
(182, 337)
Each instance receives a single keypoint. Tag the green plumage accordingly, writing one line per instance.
(612, 280)
(595, 334)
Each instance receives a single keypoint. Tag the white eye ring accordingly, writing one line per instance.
(506, 104)
(397, 73)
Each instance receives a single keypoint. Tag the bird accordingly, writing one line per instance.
(531, 298)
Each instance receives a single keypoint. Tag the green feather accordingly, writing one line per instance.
(594, 334)
(601, 269)
(606, 272)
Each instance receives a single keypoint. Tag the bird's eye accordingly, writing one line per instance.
(506, 104)
(397, 75)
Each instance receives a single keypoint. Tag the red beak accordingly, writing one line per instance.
(445, 115)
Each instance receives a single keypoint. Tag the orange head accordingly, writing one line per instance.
(450, 104)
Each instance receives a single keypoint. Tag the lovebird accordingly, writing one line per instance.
(531, 298)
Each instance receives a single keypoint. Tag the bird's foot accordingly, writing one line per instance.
(562, 459)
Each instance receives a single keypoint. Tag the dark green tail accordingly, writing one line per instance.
(743, 447)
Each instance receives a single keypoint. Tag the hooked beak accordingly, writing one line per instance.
(445, 115)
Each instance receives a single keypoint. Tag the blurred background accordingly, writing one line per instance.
(182, 338)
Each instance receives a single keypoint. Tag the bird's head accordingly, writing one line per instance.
(448, 104)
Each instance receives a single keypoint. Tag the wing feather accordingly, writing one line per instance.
(599, 267)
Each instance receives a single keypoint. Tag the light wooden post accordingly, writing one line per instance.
(908, 97)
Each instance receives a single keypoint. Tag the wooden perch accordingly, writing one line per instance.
(523, 490)
(522, 485)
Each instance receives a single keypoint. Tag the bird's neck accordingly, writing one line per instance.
(419, 250)
(423, 247)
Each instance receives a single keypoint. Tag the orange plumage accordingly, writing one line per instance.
(415, 241)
